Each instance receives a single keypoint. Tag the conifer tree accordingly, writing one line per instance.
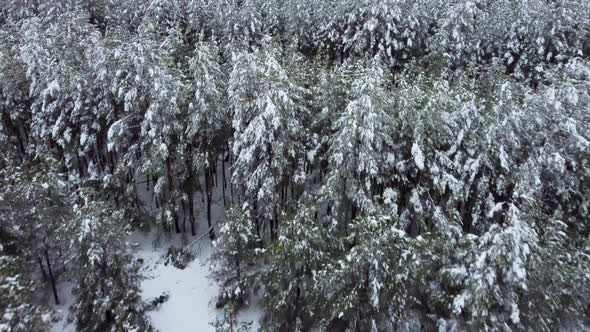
(266, 107)
(106, 287)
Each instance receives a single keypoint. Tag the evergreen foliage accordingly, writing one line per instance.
(383, 165)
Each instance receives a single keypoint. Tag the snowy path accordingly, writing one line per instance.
(64, 291)
(191, 305)
(192, 295)
(191, 302)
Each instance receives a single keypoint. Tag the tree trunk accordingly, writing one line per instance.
(176, 224)
(51, 278)
(191, 213)
(42, 269)
(274, 224)
(208, 192)
(223, 184)
(214, 176)
(231, 185)
(183, 216)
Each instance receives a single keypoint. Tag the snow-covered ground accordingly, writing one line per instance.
(64, 292)
(191, 305)
(192, 295)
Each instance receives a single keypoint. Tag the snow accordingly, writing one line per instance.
(459, 303)
(503, 159)
(52, 88)
(515, 315)
(191, 305)
(192, 294)
(253, 313)
(83, 138)
(418, 156)
(64, 292)
(496, 208)
(390, 196)
(311, 155)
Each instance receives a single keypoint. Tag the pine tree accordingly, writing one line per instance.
(235, 257)
(496, 274)
(209, 123)
(265, 105)
(358, 147)
(292, 300)
(18, 311)
(107, 293)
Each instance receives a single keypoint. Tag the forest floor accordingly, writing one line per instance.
(191, 293)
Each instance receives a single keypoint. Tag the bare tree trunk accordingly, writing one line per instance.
(209, 193)
(80, 167)
(176, 224)
(51, 278)
(275, 224)
(256, 223)
(183, 216)
(223, 184)
(42, 269)
(191, 213)
(215, 175)
(231, 166)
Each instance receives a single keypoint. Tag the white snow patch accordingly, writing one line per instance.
(191, 305)
(503, 159)
(66, 298)
(418, 156)
(192, 294)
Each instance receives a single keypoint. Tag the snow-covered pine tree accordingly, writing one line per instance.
(237, 251)
(14, 111)
(494, 274)
(304, 246)
(229, 322)
(266, 107)
(19, 311)
(359, 147)
(371, 286)
(470, 165)
(34, 205)
(148, 95)
(106, 288)
(31, 211)
(241, 24)
(209, 124)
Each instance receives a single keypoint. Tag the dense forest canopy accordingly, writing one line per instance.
(385, 164)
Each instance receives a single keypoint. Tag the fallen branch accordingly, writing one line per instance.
(197, 240)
